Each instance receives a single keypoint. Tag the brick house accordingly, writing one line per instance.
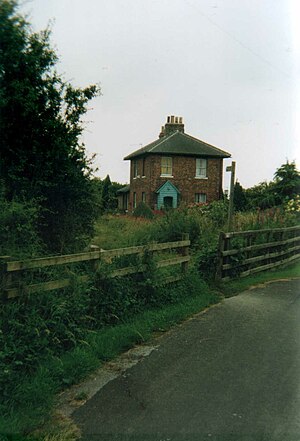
(176, 168)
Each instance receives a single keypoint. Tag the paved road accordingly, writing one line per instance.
(230, 374)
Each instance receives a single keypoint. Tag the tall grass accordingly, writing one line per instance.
(202, 223)
(119, 231)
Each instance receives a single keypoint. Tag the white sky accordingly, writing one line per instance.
(230, 68)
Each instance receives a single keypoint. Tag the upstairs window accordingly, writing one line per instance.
(143, 167)
(166, 166)
(135, 168)
(201, 168)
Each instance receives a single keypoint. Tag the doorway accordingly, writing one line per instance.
(168, 202)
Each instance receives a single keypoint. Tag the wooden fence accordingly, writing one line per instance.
(13, 272)
(248, 252)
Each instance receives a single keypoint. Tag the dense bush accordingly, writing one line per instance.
(206, 261)
(36, 326)
(170, 227)
(217, 212)
(143, 210)
(19, 229)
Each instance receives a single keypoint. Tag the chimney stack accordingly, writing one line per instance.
(173, 124)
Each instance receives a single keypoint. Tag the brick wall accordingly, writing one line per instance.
(184, 171)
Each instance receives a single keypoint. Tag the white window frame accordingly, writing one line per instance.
(166, 166)
(134, 199)
(201, 168)
(200, 198)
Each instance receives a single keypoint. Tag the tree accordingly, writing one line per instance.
(287, 181)
(239, 198)
(109, 194)
(41, 157)
(261, 196)
(284, 187)
(106, 193)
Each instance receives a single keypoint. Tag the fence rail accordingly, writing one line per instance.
(12, 273)
(248, 252)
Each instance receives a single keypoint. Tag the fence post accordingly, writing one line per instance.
(5, 277)
(185, 252)
(95, 263)
(221, 248)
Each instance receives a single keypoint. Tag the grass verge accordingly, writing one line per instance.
(236, 286)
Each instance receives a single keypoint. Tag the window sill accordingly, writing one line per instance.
(201, 177)
(166, 176)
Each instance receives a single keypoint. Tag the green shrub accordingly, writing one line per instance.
(206, 261)
(37, 326)
(143, 210)
(176, 222)
(19, 229)
(217, 211)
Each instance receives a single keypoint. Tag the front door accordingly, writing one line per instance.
(168, 202)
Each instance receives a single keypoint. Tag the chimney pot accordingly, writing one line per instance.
(173, 124)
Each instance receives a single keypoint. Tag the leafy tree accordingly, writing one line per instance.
(261, 196)
(287, 181)
(284, 187)
(41, 157)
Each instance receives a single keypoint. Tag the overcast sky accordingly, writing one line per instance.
(230, 68)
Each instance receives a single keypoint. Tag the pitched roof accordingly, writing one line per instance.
(179, 143)
(167, 184)
(124, 189)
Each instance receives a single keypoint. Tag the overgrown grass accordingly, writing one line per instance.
(119, 231)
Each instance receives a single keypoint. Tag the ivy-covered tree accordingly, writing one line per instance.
(41, 157)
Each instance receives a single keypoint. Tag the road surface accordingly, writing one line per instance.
(231, 373)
